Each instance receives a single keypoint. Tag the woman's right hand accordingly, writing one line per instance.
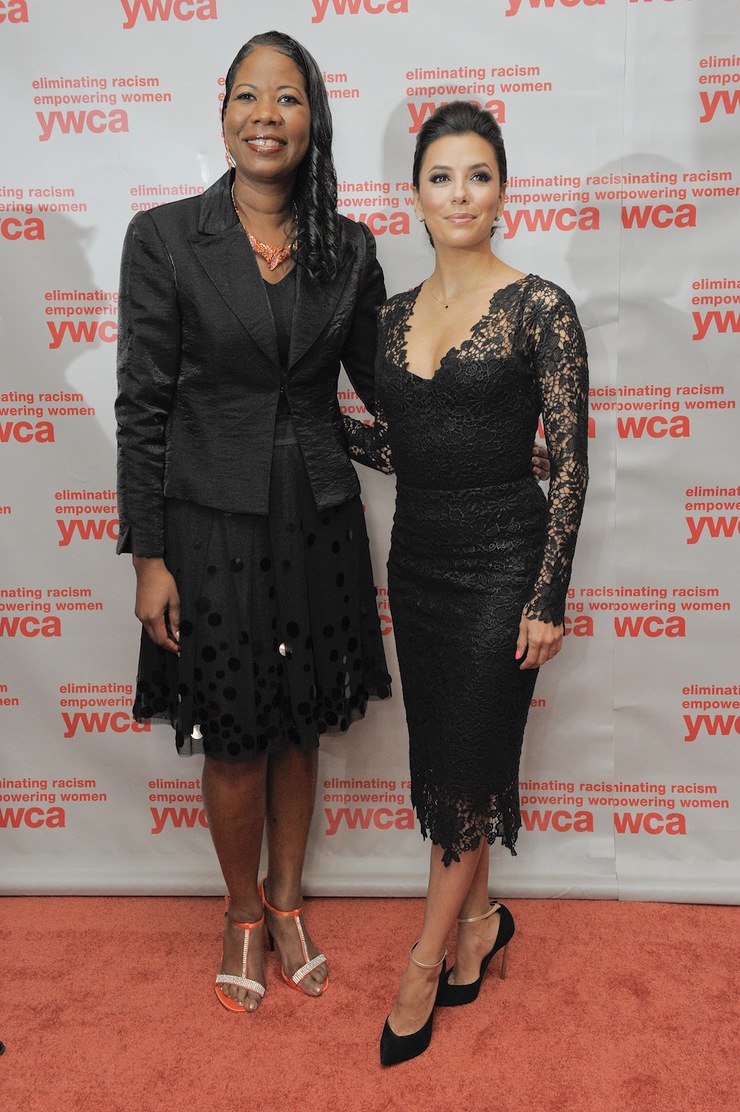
(157, 602)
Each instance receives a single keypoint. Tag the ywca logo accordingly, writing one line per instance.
(14, 11)
(32, 817)
(418, 113)
(362, 818)
(120, 722)
(178, 817)
(88, 529)
(721, 322)
(516, 5)
(32, 625)
(353, 7)
(81, 332)
(713, 725)
(720, 526)
(11, 227)
(164, 10)
(23, 432)
(75, 123)
(721, 99)
(545, 219)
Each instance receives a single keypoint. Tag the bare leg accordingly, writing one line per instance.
(474, 940)
(291, 790)
(448, 887)
(234, 795)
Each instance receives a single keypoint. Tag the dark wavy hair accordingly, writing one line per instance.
(459, 118)
(317, 246)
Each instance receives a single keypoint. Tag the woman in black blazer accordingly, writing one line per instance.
(237, 498)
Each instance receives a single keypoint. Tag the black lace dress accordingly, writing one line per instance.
(475, 542)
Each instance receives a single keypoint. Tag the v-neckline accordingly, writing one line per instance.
(413, 297)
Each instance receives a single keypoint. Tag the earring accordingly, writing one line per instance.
(229, 156)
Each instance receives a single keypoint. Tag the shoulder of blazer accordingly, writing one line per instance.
(212, 212)
(208, 213)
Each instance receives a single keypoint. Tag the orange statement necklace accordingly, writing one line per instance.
(273, 256)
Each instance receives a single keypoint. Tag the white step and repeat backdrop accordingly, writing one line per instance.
(621, 123)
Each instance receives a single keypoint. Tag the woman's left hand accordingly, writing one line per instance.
(541, 641)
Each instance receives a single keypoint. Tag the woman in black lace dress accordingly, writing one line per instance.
(480, 560)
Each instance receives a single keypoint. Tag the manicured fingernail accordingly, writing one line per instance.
(519, 654)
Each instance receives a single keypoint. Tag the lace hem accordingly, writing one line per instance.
(457, 824)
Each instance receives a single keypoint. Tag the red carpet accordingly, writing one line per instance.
(107, 1005)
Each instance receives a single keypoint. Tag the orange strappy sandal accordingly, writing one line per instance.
(310, 963)
(230, 1004)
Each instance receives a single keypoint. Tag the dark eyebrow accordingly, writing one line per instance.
(249, 85)
(475, 166)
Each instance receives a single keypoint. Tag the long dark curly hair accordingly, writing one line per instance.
(317, 246)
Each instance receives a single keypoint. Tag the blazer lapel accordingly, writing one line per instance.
(315, 306)
(230, 264)
(223, 251)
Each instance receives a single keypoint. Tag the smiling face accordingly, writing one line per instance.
(267, 121)
(460, 196)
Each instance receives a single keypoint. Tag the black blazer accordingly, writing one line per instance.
(198, 367)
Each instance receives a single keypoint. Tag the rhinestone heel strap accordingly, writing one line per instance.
(309, 963)
(243, 981)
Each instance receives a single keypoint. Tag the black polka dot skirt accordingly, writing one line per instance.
(279, 634)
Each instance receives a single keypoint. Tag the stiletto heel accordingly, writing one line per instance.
(401, 1048)
(450, 996)
(309, 963)
(228, 1002)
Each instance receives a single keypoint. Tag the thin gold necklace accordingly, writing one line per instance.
(446, 302)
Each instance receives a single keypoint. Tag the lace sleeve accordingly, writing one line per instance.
(369, 444)
(562, 374)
